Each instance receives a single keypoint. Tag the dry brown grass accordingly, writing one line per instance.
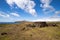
(22, 32)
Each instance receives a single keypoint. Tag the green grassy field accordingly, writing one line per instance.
(22, 32)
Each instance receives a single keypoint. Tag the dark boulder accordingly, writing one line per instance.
(4, 33)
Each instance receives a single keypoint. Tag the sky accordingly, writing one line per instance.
(29, 10)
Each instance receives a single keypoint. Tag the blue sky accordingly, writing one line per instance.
(30, 10)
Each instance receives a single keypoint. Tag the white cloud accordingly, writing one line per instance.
(7, 15)
(48, 19)
(32, 11)
(57, 12)
(3, 14)
(47, 8)
(10, 2)
(15, 14)
(27, 5)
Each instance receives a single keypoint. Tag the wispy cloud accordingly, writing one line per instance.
(2, 14)
(47, 8)
(57, 13)
(27, 5)
(9, 15)
(15, 14)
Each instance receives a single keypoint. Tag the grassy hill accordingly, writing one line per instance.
(30, 31)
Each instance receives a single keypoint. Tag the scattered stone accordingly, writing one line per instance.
(3, 33)
(54, 25)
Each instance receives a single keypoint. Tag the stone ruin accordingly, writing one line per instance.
(41, 24)
(38, 24)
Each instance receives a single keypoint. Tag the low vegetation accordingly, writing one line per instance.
(30, 31)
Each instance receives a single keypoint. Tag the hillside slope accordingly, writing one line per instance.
(29, 31)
